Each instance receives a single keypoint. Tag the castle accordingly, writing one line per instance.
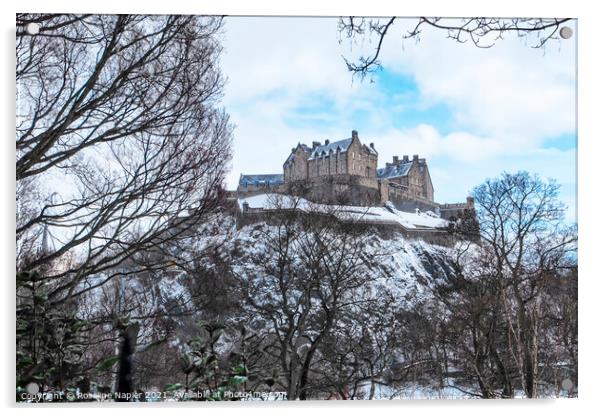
(346, 172)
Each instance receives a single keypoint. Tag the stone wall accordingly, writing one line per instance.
(339, 189)
(386, 230)
(383, 189)
(404, 203)
(333, 164)
(297, 170)
(360, 161)
(417, 183)
(252, 190)
(457, 210)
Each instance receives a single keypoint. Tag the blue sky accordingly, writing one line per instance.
(473, 113)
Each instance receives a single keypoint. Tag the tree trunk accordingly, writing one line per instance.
(124, 376)
(526, 344)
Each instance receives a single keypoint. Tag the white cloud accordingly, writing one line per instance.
(512, 91)
(426, 140)
(297, 55)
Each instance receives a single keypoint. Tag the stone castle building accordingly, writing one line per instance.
(346, 172)
(344, 157)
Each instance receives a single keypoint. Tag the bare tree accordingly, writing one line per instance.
(471, 298)
(483, 32)
(364, 349)
(118, 118)
(313, 266)
(121, 149)
(527, 244)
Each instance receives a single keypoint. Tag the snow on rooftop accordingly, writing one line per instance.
(377, 215)
(394, 171)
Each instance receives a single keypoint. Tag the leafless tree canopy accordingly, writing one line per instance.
(528, 248)
(120, 133)
(483, 32)
(312, 273)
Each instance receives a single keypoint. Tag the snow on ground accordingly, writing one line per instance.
(404, 268)
(414, 391)
(387, 214)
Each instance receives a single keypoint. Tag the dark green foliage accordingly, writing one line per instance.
(206, 370)
(50, 341)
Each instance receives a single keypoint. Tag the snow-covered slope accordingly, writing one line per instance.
(402, 267)
(376, 215)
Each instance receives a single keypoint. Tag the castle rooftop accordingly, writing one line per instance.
(319, 150)
(323, 150)
(256, 180)
(394, 171)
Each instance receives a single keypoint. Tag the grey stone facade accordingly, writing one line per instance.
(343, 157)
(411, 178)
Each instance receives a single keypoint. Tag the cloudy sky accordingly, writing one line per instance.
(472, 112)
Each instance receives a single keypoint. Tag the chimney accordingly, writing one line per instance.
(315, 144)
(415, 158)
(326, 142)
(406, 159)
(422, 161)
(388, 164)
(354, 134)
(372, 145)
(395, 160)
